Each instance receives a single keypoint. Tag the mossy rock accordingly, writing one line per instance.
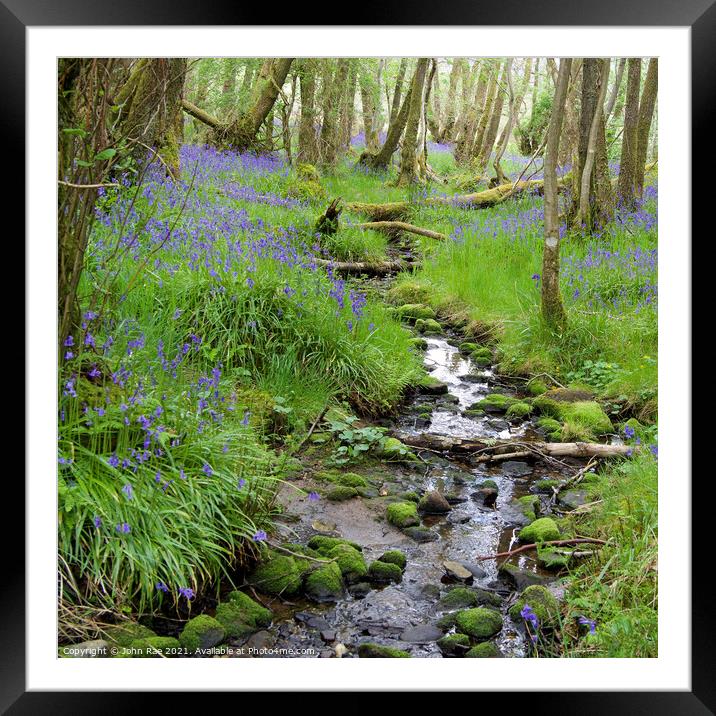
(307, 171)
(384, 572)
(420, 343)
(431, 386)
(542, 530)
(552, 427)
(428, 326)
(529, 506)
(369, 650)
(303, 549)
(410, 496)
(454, 644)
(543, 604)
(394, 556)
(494, 403)
(480, 622)
(350, 561)
(241, 615)
(403, 514)
(341, 493)
(486, 650)
(552, 559)
(537, 387)
(459, 598)
(156, 647)
(124, 634)
(519, 410)
(545, 485)
(468, 347)
(409, 292)
(583, 419)
(481, 356)
(393, 449)
(279, 574)
(325, 583)
(323, 545)
(415, 311)
(489, 484)
(202, 632)
(352, 479)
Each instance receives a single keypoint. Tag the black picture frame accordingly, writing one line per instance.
(699, 15)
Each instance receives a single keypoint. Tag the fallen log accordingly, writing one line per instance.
(375, 268)
(393, 226)
(553, 543)
(391, 211)
(509, 447)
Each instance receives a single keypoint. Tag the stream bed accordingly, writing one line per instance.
(404, 615)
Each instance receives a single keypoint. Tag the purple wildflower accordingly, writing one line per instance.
(162, 587)
(97, 521)
(127, 490)
(187, 592)
(260, 536)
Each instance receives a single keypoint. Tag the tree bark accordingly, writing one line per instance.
(552, 307)
(408, 156)
(307, 130)
(646, 113)
(485, 115)
(630, 135)
(450, 107)
(615, 90)
(397, 92)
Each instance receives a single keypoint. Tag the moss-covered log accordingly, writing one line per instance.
(375, 268)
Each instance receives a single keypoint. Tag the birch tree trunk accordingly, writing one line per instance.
(646, 113)
(307, 129)
(630, 135)
(408, 156)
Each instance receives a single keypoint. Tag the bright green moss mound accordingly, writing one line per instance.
(495, 402)
(468, 347)
(428, 384)
(325, 584)
(156, 647)
(324, 545)
(341, 493)
(542, 530)
(394, 556)
(529, 506)
(543, 604)
(403, 514)
(491, 484)
(486, 650)
(459, 598)
(369, 650)
(351, 479)
(384, 572)
(479, 623)
(415, 311)
(408, 292)
(280, 574)
(350, 561)
(202, 632)
(419, 343)
(584, 418)
(546, 485)
(241, 615)
(428, 325)
(481, 356)
(124, 634)
(393, 449)
(519, 410)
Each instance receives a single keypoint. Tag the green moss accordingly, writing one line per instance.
(384, 572)
(584, 419)
(529, 506)
(325, 584)
(546, 485)
(542, 530)
(403, 514)
(351, 479)
(486, 650)
(491, 484)
(537, 387)
(428, 326)
(459, 598)
(350, 561)
(481, 356)
(201, 632)
(341, 493)
(467, 347)
(155, 646)
(480, 623)
(519, 410)
(446, 622)
(393, 449)
(495, 402)
(410, 496)
(420, 343)
(414, 311)
(543, 604)
(454, 644)
(409, 292)
(124, 634)
(323, 545)
(368, 650)
(394, 556)
(552, 559)
(279, 574)
(304, 170)
(242, 615)
(431, 385)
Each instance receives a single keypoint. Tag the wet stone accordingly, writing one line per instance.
(571, 499)
(521, 578)
(360, 590)
(516, 468)
(433, 503)
(421, 634)
(476, 570)
(457, 572)
(485, 495)
(499, 424)
(312, 621)
(458, 517)
(421, 534)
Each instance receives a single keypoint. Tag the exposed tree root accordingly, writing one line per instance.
(553, 543)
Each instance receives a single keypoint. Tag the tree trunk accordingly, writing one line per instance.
(397, 92)
(348, 107)
(434, 113)
(552, 307)
(408, 156)
(630, 135)
(485, 115)
(307, 129)
(450, 109)
(587, 204)
(646, 112)
(466, 133)
(615, 90)
(494, 123)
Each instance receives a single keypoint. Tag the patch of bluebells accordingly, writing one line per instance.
(531, 621)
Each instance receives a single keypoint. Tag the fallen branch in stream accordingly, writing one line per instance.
(370, 268)
(393, 226)
(553, 543)
(507, 447)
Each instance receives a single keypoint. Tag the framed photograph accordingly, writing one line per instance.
(354, 342)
